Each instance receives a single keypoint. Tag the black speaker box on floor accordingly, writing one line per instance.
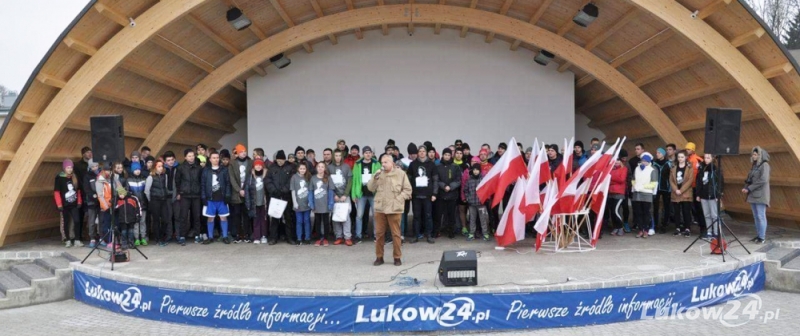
(459, 268)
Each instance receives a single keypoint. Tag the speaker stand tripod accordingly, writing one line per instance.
(720, 223)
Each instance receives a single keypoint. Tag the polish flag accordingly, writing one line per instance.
(538, 172)
(609, 158)
(567, 196)
(535, 149)
(561, 172)
(599, 207)
(510, 167)
(551, 194)
(512, 226)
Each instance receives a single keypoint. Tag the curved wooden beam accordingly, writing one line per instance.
(752, 81)
(33, 149)
(431, 14)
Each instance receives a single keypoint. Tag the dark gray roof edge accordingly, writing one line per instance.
(771, 34)
(42, 63)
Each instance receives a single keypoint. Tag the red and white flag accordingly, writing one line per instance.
(510, 167)
(538, 173)
(606, 163)
(511, 228)
(561, 172)
(569, 193)
(599, 198)
(534, 149)
(551, 196)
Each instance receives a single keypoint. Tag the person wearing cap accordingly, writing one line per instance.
(127, 212)
(644, 185)
(664, 166)
(351, 159)
(424, 180)
(695, 160)
(449, 180)
(363, 171)
(341, 175)
(215, 193)
(579, 156)
(756, 187)
(187, 187)
(501, 149)
(279, 176)
(391, 188)
(68, 199)
(137, 182)
(240, 224)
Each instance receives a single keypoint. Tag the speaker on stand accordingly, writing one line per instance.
(723, 130)
(108, 138)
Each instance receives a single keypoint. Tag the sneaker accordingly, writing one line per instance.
(205, 236)
(68, 243)
(677, 232)
(470, 237)
(226, 240)
(339, 241)
(144, 242)
(318, 243)
(388, 241)
(627, 228)
(640, 234)
(325, 242)
(644, 234)
(687, 233)
(78, 243)
(137, 242)
(92, 243)
(465, 232)
(754, 239)
(414, 241)
(486, 237)
(237, 241)
(197, 240)
(272, 242)
(256, 241)
(110, 246)
(102, 242)
(620, 232)
(246, 241)
(431, 240)
(206, 241)
(182, 241)
(298, 243)
(348, 242)
(614, 232)
(357, 240)
(759, 241)
(263, 240)
(307, 242)
(651, 232)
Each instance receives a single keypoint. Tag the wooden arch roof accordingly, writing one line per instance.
(645, 69)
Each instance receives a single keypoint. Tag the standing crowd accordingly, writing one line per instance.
(226, 197)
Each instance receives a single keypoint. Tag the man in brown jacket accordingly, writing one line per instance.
(391, 189)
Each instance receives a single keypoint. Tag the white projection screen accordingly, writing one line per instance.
(416, 88)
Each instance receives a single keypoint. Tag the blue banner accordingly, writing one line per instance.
(417, 312)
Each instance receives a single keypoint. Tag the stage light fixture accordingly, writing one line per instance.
(459, 268)
(280, 61)
(544, 57)
(237, 19)
(586, 15)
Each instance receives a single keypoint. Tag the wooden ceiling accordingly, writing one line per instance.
(644, 69)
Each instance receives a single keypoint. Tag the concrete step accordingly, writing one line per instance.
(793, 263)
(778, 253)
(10, 281)
(51, 264)
(30, 272)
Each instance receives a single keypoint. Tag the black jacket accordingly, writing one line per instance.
(81, 168)
(128, 210)
(418, 168)
(250, 193)
(449, 175)
(712, 187)
(187, 179)
(224, 180)
(158, 188)
(279, 178)
(89, 189)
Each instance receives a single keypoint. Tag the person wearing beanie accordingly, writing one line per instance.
(255, 200)
(137, 182)
(128, 212)
(554, 158)
(352, 157)
(341, 175)
(148, 161)
(428, 145)
(68, 199)
(709, 190)
(363, 171)
(449, 180)
(579, 156)
(215, 194)
(241, 228)
(187, 188)
(301, 159)
(424, 180)
(341, 145)
(458, 143)
(279, 175)
(291, 159)
(680, 180)
(756, 187)
(224, 155)
(311, 157)
(412, 151)
(201, 149)
(477, 210)
(501, 149)
(433, 155)
(662, 199)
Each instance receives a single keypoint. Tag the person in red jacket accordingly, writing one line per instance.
(616, 195)
(351, 159)
(68, 198)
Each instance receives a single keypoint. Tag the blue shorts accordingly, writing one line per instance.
(216, 208)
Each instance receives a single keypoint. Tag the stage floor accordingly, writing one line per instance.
(342, 270)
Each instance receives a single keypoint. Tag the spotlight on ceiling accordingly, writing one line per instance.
(544, 57)
(280, 61)
(586, 15)
(237, 19)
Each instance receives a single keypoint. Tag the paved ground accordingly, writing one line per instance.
(74, 318)
(341, 267)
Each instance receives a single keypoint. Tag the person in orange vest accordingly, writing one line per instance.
(697, 210)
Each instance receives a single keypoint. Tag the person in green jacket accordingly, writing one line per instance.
(363, 170)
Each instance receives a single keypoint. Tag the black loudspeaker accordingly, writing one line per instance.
(108, 139)
(459, 268)
(723, 127)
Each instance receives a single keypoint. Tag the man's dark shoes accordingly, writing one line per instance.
(397, 262)
(378, 262)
